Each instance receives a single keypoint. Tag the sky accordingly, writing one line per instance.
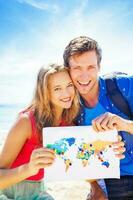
(35, 32)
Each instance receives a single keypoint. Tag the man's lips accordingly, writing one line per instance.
(83, 83)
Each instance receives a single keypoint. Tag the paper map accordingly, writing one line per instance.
(81, 153)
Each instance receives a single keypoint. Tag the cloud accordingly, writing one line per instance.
(41, 5)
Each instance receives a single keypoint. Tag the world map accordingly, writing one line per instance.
(84, 151)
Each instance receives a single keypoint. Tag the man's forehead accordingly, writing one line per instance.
(82, 57)
(74, 58)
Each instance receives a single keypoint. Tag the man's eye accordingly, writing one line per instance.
(75, 67)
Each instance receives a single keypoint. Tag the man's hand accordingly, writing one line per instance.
(118, 148)
(109, 121)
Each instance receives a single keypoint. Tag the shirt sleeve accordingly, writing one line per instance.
(125, 84)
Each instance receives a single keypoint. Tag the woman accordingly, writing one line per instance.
(55, 103)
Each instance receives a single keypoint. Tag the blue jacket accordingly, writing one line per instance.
(125, 84)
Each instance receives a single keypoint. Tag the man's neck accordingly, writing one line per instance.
(91, 99)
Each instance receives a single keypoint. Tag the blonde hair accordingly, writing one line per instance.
(41, 104)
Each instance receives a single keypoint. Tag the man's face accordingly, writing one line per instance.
(84, 72)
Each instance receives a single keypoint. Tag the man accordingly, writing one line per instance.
(83, 57)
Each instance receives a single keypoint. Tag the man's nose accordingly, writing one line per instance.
(84, 74)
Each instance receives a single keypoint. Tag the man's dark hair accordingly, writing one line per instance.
(80, 45)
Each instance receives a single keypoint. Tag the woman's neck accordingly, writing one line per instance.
(57, 115)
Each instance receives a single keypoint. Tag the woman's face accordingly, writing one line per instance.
(61, 90)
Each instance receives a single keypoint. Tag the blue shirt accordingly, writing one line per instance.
(125, 84)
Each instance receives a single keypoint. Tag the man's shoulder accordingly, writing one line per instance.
(120, 76)
(124, 81)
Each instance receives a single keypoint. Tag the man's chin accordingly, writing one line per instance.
(83, 92)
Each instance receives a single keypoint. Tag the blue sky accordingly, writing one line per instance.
(35, 32)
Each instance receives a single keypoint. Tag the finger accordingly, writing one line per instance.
(118, 144)
(43, 165)
(119, 150)
(119, 138)
(43, 161)
(111, 123)
(105, 123)
(94, 126)
(45, 150)
(98, 123)
(49, 150)
(44, 153)
(120, 156)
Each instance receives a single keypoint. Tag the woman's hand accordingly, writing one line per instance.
(40, 158)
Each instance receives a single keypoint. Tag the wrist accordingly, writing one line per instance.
(26, 170)
(129, 126)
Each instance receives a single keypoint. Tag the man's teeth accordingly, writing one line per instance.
(84, 83)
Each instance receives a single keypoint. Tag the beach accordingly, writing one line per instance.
(69, 190)
(73, 190)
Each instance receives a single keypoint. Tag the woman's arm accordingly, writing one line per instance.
(40, 158)
(15, 140)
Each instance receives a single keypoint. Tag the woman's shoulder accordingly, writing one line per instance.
(23, 118)
(23, 123)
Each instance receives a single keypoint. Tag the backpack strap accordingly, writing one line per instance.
(117, 97)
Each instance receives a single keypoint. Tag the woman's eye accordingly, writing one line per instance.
(71, 85)
(57, 89)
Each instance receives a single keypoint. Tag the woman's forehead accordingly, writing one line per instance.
(60, 78)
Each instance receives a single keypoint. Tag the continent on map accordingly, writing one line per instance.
(61, 147)
(97, 149)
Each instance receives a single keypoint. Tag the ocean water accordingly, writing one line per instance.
(8, 115)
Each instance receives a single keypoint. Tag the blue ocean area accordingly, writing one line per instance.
(8, 115)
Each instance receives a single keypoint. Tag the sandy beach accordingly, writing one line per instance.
(69, 190)
(74, 190)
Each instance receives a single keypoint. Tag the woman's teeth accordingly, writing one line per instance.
(66, 99)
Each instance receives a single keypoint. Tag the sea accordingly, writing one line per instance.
(8, 115)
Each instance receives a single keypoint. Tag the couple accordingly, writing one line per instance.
(55, 103)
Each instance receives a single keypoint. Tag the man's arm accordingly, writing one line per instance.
(96, 192)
